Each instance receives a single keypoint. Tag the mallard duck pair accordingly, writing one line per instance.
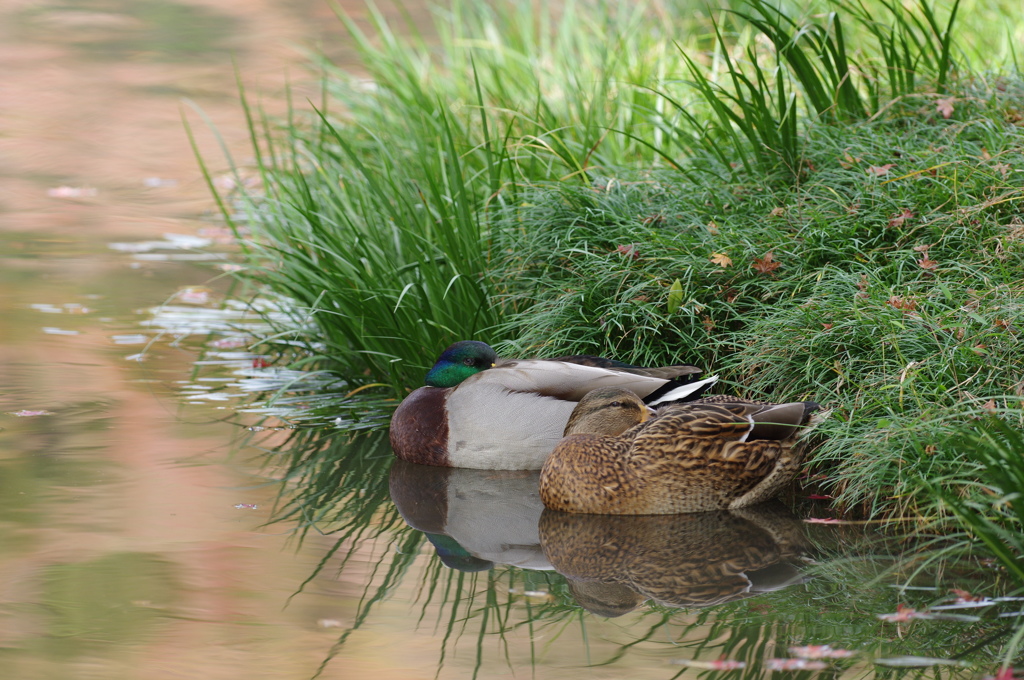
(619, 455)
(478, 411)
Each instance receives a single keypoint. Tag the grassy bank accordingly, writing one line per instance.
(833, 216)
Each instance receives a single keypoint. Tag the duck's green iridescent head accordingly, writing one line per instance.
(460, 361)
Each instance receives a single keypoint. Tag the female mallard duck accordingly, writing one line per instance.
(481, 412)
(711, 454)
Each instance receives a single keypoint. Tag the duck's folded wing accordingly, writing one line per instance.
(749, 421)
(571, 381)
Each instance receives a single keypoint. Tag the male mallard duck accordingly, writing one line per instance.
(711, 454)
(481, 412)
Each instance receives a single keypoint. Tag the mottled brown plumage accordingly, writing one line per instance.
(613, 563)
(712, 454)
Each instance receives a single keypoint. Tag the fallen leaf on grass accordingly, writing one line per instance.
(721, 259)
(777, 212)
(926, 263)
(848, 161)
(945, 106)
(629, 250)
(898, 220)
(907, 304)
(880, 170)
(766, 264)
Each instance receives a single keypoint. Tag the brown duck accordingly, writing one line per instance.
(712, 454)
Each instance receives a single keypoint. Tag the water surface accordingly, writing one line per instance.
(142, 532)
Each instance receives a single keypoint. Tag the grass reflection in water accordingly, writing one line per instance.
(498, 582)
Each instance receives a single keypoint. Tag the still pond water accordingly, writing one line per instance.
(141, 532)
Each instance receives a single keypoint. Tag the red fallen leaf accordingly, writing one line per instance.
(629, 250)
(826, 326)
(990, 406)
(898, 220)
(880, 170)
(945, 106)
(260, 362)
(927, 263)
(766, 264)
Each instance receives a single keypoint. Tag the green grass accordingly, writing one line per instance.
(902, 323)
(574, 183)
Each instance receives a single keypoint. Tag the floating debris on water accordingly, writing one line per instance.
(246, 506)
(795, 665)
(50, 330)
(30, 414)
(133, 339)
(194, 295)
(158, 182)
(71, 192)
(918, 662)
(66, 308)
(170, 242)
(716, 665)
(821, 652)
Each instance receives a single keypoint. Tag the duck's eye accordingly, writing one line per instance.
(468, 361)
(615, 404)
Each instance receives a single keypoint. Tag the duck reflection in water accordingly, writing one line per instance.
(613, 563)
(477, 519)
(474, 518)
